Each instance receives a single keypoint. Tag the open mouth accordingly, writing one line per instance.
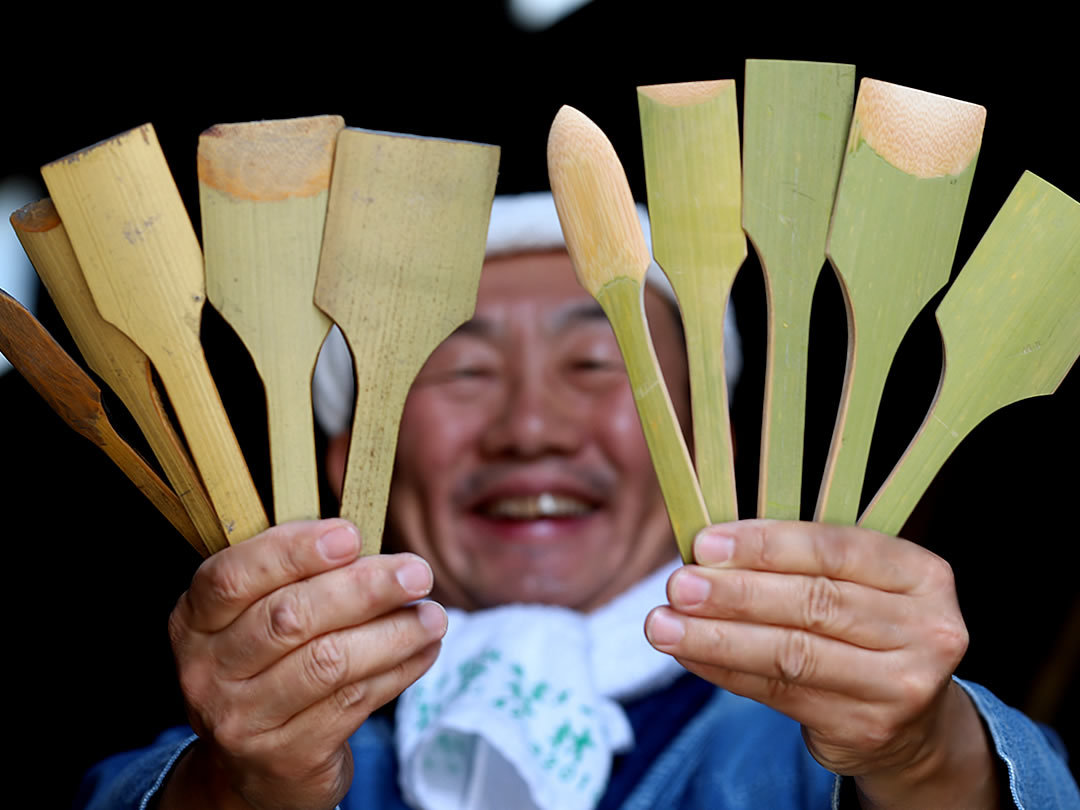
(544, 505)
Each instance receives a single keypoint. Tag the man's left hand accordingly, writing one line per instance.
(851, 633)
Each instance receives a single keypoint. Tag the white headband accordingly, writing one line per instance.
(519, 223)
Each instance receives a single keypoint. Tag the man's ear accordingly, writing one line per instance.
(337, 450)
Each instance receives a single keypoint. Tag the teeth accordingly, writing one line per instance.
(529, 507)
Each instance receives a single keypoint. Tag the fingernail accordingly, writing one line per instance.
(339, 543)
(665, 629)
(689, 589)
(713, 549)
(433, 617)
(415, 577)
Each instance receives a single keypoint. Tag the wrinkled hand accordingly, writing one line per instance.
(284, 645)
(852, 633)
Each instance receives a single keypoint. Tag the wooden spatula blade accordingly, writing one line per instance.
(690, 140)
(1011, 328)
(796, 119)
(70, 392)
(401, 256)
(112, 355)
(903, 190)
(142, 262)
(603, 235)
(263, 189)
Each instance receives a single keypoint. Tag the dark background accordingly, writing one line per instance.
(94, 571)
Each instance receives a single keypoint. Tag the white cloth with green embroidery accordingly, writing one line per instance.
(520, 709)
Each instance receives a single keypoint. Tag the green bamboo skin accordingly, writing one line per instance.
(690, 141)
(1011, 328)
(796, 121)
(891, 242)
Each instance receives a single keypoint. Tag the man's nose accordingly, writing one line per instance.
(535, 418)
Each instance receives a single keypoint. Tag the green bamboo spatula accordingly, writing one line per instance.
(117, 361)
(903, 189)
(690, 140)
(406, 229)
(77, 400)
(610, 257)
(263, 190)
(1010, 323)
(796, 117)
(143, 264)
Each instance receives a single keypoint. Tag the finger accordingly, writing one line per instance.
(842, 610)
(309, 743)
(330, 662)
(818, 549)
(338, 715)
(231, 580)
(783, 654)
(293, 615)
(826, 712)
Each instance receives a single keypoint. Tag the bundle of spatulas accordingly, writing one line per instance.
(307, 223)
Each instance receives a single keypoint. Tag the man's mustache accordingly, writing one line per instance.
(591, 481)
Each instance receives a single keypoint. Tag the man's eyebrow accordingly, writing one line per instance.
(580, 312)
(475, 327)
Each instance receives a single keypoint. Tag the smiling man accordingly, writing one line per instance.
(524, 502)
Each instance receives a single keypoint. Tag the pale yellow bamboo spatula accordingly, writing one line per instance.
(610, 257)
(73, 395)
(690, 140)
(143, 264)
(903, 189)
(1010, 323)
(263, 189)
(111, 354)
(402, 251)
(796, 117)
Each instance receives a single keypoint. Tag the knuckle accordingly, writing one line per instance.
(225, 583)
(760, 545)
(326, 661)
(822, 605)
(833, 554)
(369, 580)
(288, 616)
(230, 732)
(794, 657)
(875, 735)
(939, 573)
(739, 592)
(951, 637)
(352, 695)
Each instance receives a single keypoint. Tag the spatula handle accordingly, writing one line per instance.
(70, 392)
(622, 301)
(110, 353)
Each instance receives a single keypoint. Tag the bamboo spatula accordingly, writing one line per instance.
(899, 206)
(112, 355)
(796, 118)
(402, 251)
(263, 189)
(73, 395)
(1010, 323)
(610, 257)
(690, 140)
(142, 262)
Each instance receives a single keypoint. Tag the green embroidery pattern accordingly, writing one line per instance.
(562, 752)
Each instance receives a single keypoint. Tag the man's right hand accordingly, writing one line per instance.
(285, 644)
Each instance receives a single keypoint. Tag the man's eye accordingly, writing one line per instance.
(470, 373)
(587, 364)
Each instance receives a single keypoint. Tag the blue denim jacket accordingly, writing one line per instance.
(734, 754)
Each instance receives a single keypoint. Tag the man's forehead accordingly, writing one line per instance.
(537, 286)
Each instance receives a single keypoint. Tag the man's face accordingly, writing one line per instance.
(522, 472)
